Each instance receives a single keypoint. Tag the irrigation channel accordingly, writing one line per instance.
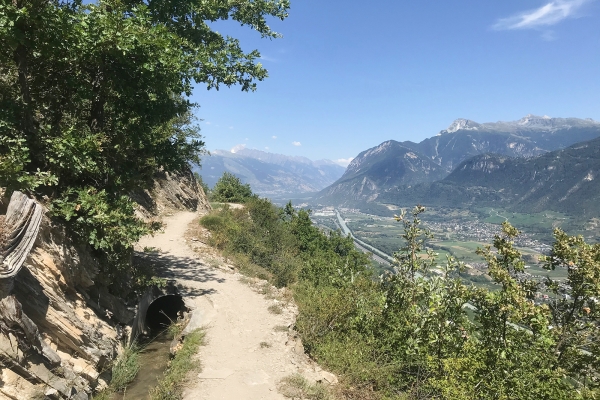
(155, 342)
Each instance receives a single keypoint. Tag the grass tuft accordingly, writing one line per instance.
(170, 386)
(124, 372)
(275, 309)
(281, 328)
(175, 329)
(297, 387)
(126, 368)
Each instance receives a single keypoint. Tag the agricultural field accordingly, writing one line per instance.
(459, 233)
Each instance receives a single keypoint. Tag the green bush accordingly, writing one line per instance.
(230, 189)
(408, 334)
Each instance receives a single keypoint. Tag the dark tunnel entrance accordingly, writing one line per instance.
(163, 311)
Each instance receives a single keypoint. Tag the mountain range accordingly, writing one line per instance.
(378, 174)
(270, 174)
(565, 180)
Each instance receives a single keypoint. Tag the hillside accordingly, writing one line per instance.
(377, 170)
(269, 173)
(388, 165)
(563, 180)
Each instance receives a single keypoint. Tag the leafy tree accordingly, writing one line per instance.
(230, 189)
(94, 99)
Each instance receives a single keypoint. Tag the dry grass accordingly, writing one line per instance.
(275, 309)
(281, 328)
(297, 387)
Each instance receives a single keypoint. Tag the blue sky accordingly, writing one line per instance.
(348, 75)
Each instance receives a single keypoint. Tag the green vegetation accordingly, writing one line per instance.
(410, 335)
(124, 372)
(126, 368)
(171, 385)
(297, 387)
(229, 189)
(94, 101)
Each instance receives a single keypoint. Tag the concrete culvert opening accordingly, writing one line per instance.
(163, 311)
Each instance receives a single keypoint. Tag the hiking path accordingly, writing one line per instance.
(249, 348)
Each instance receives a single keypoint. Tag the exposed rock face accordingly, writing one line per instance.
(376, 170)
(171, 191)
(58, 331)
(54, 340)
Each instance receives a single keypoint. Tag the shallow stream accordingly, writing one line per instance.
(153, 361)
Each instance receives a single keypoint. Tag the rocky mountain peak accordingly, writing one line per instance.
(461, 124)
(534, 120)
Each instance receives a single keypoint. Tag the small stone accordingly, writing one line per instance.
(329, 377)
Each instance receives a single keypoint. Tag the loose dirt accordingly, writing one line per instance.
(248, 350)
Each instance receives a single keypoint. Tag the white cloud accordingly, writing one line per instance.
(274, 137)
(267, 58)
(207, 122)
(237, 148)
(231, 127)
(297, 143)
(549, 14)
(344, 161)
(266, 147)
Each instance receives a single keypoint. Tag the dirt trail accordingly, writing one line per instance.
(248, 352)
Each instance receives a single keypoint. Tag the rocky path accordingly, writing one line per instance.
(248, 347)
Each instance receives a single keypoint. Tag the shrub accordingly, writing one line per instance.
(230, 189)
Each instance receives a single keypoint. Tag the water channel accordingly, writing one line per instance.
(154, 357)
(153, 360)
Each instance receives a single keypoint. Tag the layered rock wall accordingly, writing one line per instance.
(55, 340)
(170, 192)
(59, 333)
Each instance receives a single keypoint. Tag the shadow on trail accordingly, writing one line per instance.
(181, 268)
